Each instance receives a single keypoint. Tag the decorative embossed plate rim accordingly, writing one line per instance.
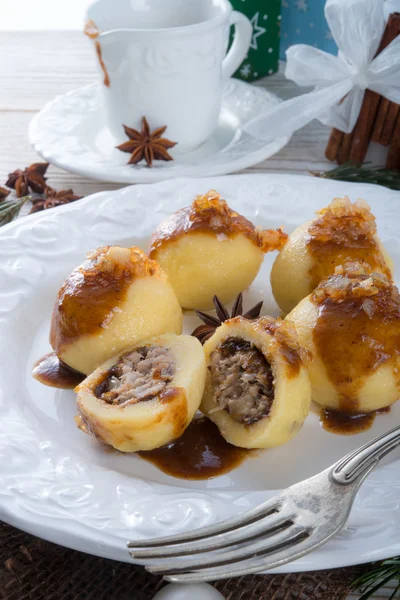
(70, 132)
(50, 484)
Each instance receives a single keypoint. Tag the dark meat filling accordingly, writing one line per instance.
(242, 380)
(140, 375)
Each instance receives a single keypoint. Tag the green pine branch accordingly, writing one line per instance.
(10, 209)
(369, 583)
(360, 173)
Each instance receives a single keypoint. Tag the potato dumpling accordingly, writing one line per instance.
(116, 298)
(207, 249)
(351, 325)
(341, 232)
(257, 387)
(146, 397)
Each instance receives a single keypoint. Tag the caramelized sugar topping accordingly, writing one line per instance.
(344, 232)
(211, 213)
(357, 329)
(92, 294)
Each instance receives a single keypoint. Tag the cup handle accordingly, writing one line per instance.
(240, 46)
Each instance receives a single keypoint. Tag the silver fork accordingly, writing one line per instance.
(286, 527)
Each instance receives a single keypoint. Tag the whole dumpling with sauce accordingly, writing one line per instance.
(116, 298)
(351, 325)
(145, 397)
(257, 388)
(342, 232)
(208, 249)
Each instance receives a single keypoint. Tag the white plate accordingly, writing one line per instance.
(71, 133)
(58, 483)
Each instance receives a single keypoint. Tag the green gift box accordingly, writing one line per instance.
(262, 58)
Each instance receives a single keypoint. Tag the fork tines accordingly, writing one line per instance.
(248, 540)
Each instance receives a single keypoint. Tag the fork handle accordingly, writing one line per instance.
(358, 463)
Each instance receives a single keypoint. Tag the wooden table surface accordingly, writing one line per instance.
(37, 66)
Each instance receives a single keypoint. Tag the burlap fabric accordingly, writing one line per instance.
(31, 569)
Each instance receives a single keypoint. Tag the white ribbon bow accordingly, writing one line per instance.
(339, 81)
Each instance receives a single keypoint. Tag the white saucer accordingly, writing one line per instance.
(71, 133)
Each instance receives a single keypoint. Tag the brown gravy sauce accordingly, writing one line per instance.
(176, 398)
(342, 423)
(188, 220)
(341, 235)
(84, 301)
(91, 30)
(103, 67)
(328, 256)
(210, 214)
(51, 371)
(352, 345)
(286, 336)
(91, 293)
(201, 453)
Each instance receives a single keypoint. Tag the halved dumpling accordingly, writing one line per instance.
(146, 397)
(257, 388)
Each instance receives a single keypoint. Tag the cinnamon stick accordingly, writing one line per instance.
(343, 148)
(333, 145)
(391, 32)
(393, 158)
(390, 122)
(380, 120)
(363, 128)
(343, 155)
(370, 106)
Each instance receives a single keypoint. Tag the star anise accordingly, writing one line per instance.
(204, 332)
(146, 145)
(3, 193)
(53, 198)
(32, 178)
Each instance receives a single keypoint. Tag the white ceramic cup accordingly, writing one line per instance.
(166, 60)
